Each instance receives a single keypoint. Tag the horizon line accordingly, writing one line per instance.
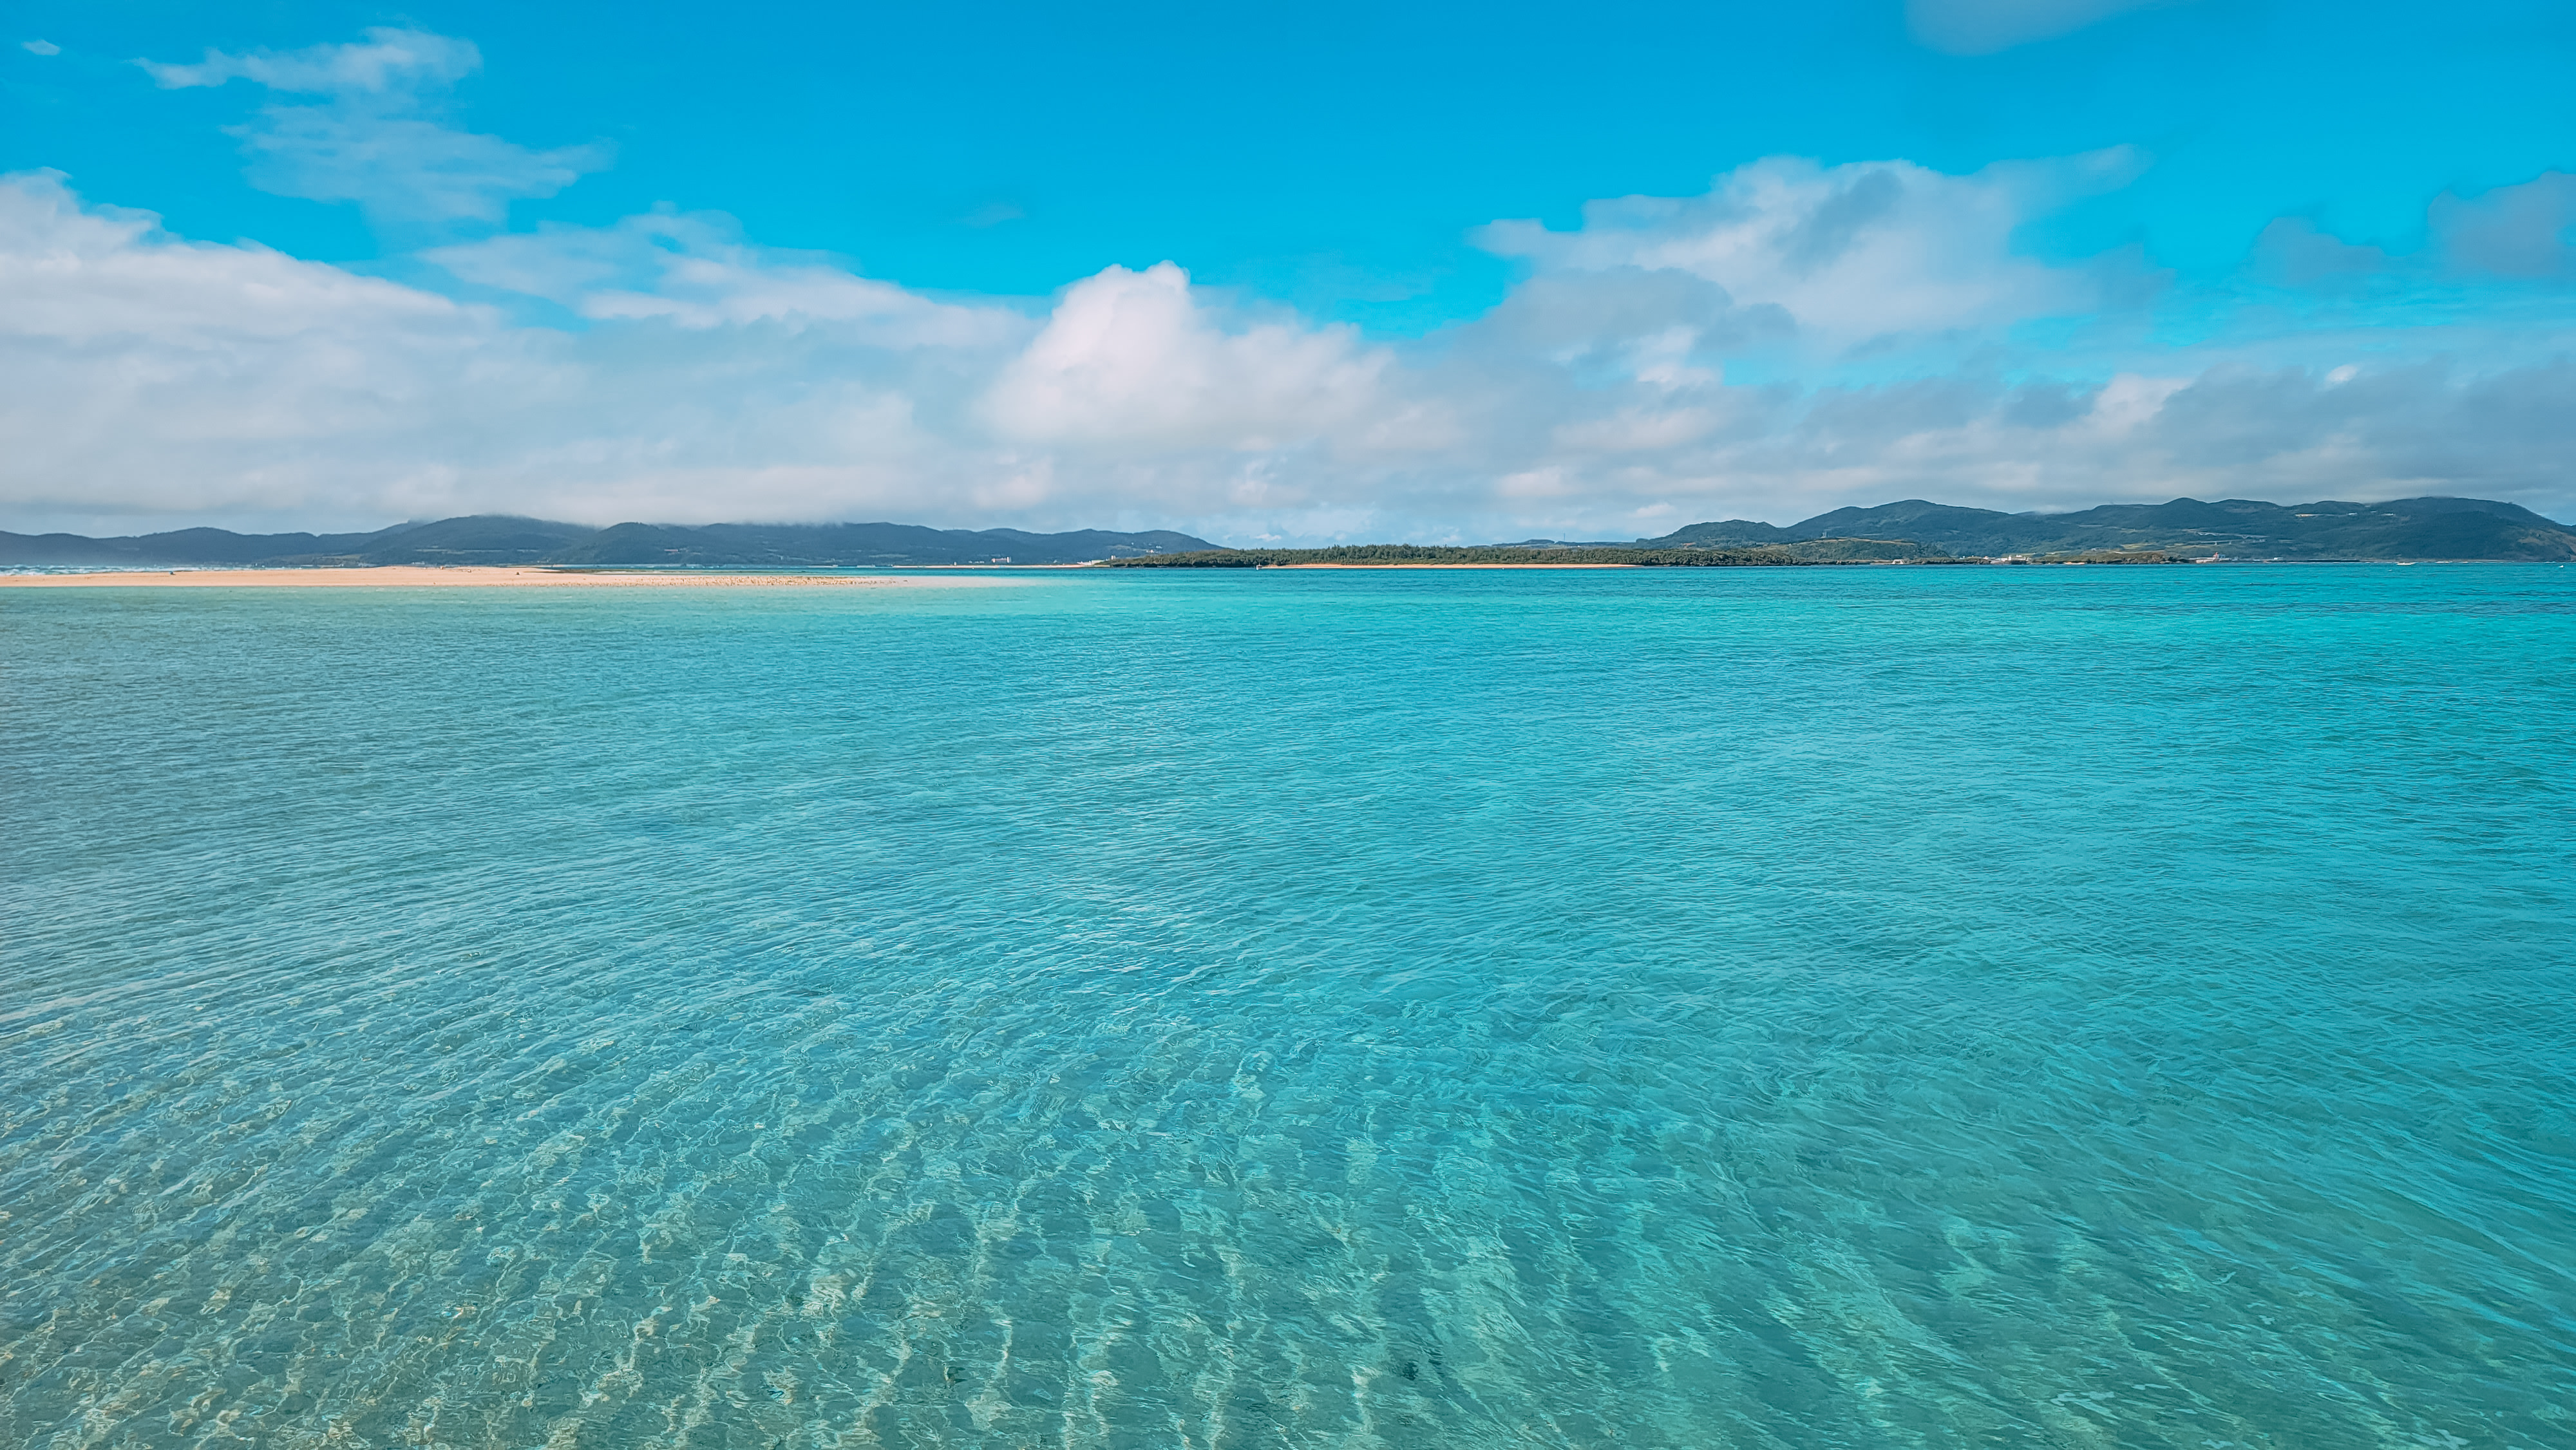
(1170, 529)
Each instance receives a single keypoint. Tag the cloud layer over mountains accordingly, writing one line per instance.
(1800, 337)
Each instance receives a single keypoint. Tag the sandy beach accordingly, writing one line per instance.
(413, 576)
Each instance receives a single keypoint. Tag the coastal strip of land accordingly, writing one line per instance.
(1519, 556)
(1542, 554)
(473, 576)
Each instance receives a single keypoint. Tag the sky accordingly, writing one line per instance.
(1277, 274)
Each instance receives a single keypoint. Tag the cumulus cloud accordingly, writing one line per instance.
(1132, 359)
(142, 372)
(1982, 27)
(374, 138)
(1684, 361)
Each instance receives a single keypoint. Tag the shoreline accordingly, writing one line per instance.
(557, 576)
(1448, 566)
(467, 576)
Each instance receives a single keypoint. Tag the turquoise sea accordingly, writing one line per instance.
(1736, 1008)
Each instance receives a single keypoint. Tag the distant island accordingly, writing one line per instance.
(1915, 531)
(1912, 531)
(1563, 556)
(493, 539)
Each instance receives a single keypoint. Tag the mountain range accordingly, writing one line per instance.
(2411, 528)
(489, 539)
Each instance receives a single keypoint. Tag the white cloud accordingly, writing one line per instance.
(374, 141)
(1863, 253)
(1132, 359)
(93, 276)
(40, 47)
(141, 372)
(147, 380)
(1982, 27)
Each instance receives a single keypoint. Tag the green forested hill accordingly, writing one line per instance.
(490, 539)
(2411, 528)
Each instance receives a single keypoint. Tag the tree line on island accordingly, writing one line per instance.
(1834, 551)
(1912, 531)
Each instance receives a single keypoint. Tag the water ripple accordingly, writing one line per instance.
(1891, 1008)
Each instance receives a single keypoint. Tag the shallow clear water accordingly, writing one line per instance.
(1832, 1007)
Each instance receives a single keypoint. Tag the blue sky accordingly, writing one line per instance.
(1309, 272)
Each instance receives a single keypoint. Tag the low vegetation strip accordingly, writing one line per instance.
(1397, 555)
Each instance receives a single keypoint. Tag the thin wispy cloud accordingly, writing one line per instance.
(376, 136)
(698, 272)
(388, 61)
(1982, 27)
(2522, 233)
